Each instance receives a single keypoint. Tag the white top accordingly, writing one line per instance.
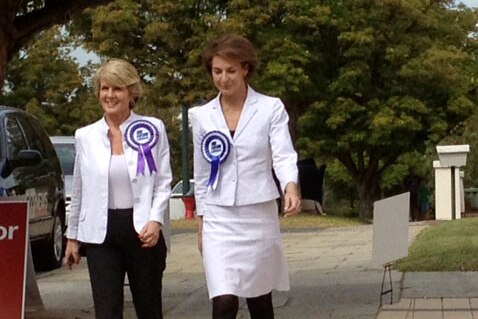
(120, 193)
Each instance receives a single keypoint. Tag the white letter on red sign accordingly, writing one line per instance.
(7, 232)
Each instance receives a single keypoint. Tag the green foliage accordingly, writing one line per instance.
(23, 20)
(400, 81)
(44, 80)
(470, 136)
(413, 163)
(370, 85)
(165, 39)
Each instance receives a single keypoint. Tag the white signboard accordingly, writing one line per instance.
(390, 229)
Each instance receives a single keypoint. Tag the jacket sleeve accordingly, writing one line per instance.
(201, 166)
(163, 178)
(284, 157)
(75, 205)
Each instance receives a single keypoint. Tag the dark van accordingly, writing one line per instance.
(30, 168)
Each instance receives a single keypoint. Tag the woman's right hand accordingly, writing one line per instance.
(72, 253)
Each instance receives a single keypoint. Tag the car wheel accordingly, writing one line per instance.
(50, 253)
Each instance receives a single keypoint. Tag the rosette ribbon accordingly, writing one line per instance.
(145, 153)
(142, 136)
(215, 148)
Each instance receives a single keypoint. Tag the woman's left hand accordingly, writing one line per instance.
(291, 200)
(149, 235)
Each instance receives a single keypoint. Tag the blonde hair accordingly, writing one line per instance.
(119, 72)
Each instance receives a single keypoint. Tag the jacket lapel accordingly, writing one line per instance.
(250, 108)
(131, 154)
(218, 117)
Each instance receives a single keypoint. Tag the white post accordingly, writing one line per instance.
(457, 193)
(462, 192)
(453, 156)
(443, 202)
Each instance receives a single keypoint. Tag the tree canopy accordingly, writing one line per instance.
(398, 80)
(370, 80)
(44, 80)
(21, 20)
(364, 81)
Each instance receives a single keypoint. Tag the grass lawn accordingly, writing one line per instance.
(302, 221)
(448, 246)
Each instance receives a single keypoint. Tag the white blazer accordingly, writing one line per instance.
(89, 204)
(261, 142)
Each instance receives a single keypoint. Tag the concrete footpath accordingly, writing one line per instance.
(330, 274)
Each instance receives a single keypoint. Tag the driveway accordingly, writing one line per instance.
(330, 272)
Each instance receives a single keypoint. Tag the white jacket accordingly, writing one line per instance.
(261, 142)
(89, 205)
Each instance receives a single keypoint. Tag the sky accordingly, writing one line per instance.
(470, 3)
(83, 56)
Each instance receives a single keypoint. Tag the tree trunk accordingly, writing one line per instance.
(366, 177)
(368, 190)
(294, 110)
(366, 202)
(3, 59)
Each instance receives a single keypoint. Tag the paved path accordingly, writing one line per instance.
(330, 272)
(435, 295)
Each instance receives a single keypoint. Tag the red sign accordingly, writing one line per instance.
(13, 258)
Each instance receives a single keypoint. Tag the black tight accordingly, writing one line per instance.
(226, 307)
(261, 307)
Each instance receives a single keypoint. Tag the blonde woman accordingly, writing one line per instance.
(121, 188)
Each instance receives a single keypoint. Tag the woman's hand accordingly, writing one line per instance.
(72, 253)
(149, 235)
(291, 200)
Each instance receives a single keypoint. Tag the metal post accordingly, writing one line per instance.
(33, 300)
(387, 267)
(185, 148)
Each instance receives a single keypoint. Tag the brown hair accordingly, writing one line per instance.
(119, 72)
(233, 47)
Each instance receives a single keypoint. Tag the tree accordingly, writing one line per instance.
(370, 80)
(396, 78)
(21, 20)
(164, 41)
(44, 80)
(470, 127)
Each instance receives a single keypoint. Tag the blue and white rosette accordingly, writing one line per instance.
(142, 136)
(215, 148)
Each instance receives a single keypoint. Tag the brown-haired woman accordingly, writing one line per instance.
(240, 137)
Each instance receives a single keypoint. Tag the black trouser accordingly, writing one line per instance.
(121, 253)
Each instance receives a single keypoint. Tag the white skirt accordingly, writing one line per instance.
(243, 252)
